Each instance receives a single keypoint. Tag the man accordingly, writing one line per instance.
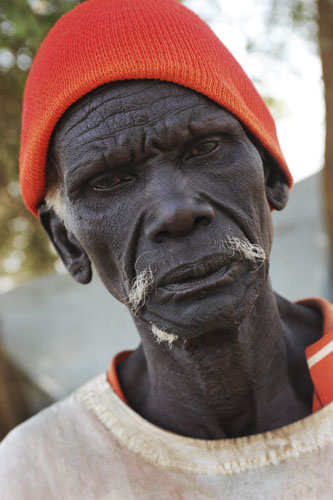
(147, 152)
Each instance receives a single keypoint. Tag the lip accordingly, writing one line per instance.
(197, 277)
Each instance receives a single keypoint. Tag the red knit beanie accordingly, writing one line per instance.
(102, 41)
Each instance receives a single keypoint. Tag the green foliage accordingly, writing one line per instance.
(24, 250)
(282, 19)
(298, 15)
(276, 106)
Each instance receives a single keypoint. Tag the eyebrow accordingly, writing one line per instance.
(84, 169)
(108, 156)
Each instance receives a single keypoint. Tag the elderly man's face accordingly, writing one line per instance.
(157, 176)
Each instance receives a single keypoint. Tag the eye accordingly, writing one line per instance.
(109, 181)
(203, 148)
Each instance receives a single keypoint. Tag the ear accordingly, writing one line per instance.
(277, 189)
(67, 246)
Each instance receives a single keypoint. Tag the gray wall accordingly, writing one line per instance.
(299, 259)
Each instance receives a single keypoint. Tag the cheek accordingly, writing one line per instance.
(240, 189)
(105, 232)
(239, 193)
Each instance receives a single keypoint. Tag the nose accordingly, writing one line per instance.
(177, 216)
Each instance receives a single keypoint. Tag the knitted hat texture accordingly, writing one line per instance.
(103, 41)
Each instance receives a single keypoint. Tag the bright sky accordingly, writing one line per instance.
(295, 81)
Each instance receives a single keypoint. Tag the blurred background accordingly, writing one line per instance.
(55, 334)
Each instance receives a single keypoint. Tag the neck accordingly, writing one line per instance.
(225, 384)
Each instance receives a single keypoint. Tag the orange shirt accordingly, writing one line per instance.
(319, 358)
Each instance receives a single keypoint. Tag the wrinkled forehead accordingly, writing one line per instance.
(132, 106)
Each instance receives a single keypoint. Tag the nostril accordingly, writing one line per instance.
(202, 221)
(159, 237)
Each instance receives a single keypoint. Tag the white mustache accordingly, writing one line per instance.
(142, 284)
(140, 288)
(246, 250)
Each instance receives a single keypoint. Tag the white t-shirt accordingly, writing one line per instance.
(93, 446)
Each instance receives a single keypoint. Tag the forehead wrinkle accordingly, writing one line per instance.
(83, 160)
(163, 120)
(129, 116)
(198, 113)
(72, 172)
(114, 97)
(168, 94)
(69, 161)
(217, 119)
(100, 154)
(88, 105)
(112, 94)
(141, 137)
(127, 89)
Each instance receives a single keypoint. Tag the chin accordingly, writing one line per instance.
(222, 308)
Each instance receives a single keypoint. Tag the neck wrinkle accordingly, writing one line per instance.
(225, 384)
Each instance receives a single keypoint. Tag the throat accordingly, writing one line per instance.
(222, 385)
(203, 393)
(210, 393)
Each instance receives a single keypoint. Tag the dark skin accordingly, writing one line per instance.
(157, 175)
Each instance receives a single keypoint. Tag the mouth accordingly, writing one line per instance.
(198, 277)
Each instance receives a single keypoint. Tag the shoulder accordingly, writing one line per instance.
(43, 453)
(25, 453)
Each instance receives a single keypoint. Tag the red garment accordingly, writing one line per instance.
(112, 375)
(102, 41)
(319, 357)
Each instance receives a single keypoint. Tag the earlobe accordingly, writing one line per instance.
(277, 189)
(67, 246)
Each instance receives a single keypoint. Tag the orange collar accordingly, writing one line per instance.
(319, 358)
(112, 376)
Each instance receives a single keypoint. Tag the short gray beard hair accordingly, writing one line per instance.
(163, 336)
(140, 289)
(142, 284)
(137, 298)
(247, 251)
